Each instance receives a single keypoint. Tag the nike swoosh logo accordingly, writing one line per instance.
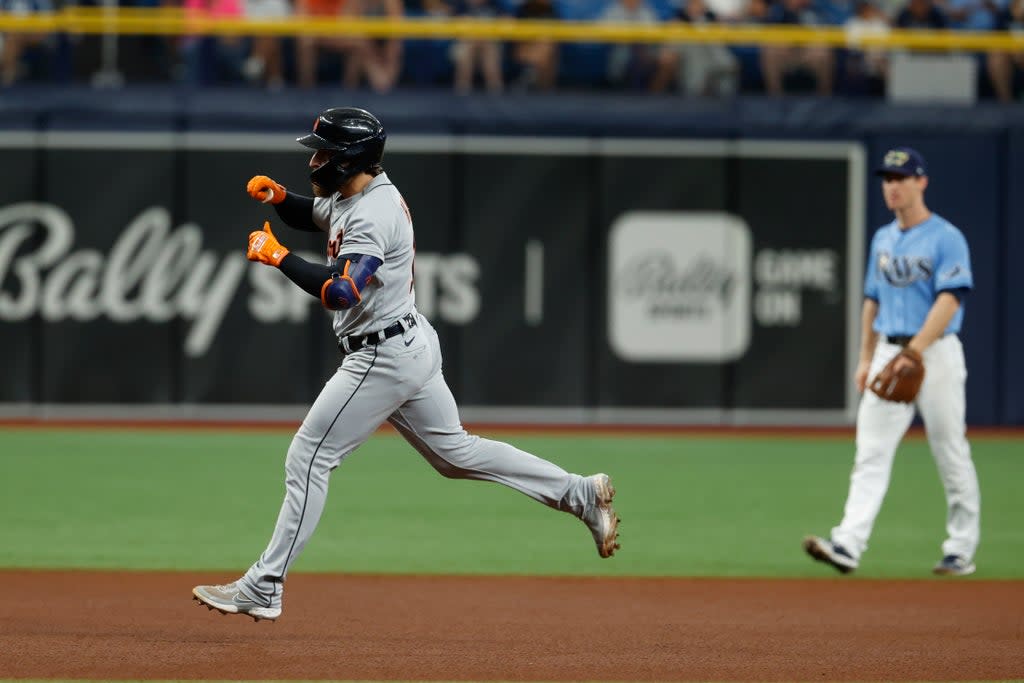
(410, 341)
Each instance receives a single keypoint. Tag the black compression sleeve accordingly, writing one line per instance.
(297, 211)
(309, 276)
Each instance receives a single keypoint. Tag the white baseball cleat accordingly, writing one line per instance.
(229, 599)
(601, 516)
(954, 565)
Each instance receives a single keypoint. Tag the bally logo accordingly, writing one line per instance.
(156, 271)
(679, 287)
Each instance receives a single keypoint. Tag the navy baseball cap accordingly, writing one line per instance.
(902, 161)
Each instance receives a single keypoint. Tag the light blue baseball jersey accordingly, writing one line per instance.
(909, 268)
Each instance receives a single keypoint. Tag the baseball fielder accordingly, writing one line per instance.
(391, 365)
(918, 275)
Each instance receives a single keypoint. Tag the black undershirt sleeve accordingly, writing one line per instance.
(297, 211)
(309, 276)
(959, 292)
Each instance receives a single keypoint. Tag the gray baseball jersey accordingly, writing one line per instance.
(376, 222)
(399, 380)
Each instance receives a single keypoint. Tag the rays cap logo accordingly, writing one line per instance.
(902, 161)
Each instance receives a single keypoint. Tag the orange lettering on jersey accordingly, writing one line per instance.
(334, 247)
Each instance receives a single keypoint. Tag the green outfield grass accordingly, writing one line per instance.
(691, 506)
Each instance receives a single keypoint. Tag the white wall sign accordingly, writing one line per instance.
(679, 287)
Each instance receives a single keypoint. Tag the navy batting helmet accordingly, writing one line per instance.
(356, 138)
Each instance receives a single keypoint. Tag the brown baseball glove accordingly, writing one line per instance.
(900, 386)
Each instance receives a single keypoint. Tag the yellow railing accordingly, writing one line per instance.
(175, 22)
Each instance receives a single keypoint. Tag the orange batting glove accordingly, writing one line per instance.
(264, 247)
(266, 190)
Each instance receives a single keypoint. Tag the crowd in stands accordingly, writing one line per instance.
(693, 69)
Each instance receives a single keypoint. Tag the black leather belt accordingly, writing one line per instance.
(903, 341)
(898, 341)
(354, 342)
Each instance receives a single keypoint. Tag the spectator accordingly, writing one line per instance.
(834, 12)
(633, 65)
(921, 14)
(142, 57)
(866, 70)
(211, 59)
(729, 10)
(308, 47)
(427, 61)
(778, 60)
(757, 11)
(427, 8)
(264, 63)
(539, 58)
(700, 68)
(378, 62)
(470, 55)
(1004, 66)
(891, 9)
(972, 15)
(17, 46)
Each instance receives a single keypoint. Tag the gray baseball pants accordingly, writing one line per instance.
(398, 380)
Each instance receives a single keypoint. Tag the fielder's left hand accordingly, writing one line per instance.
(901, 378)
(264, 247)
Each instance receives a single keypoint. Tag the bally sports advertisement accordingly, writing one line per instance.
(573, 280)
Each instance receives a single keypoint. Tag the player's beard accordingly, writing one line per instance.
(321, 192)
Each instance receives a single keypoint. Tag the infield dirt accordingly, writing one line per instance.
(144, 625)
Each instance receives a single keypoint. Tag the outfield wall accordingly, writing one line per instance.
(534, 223)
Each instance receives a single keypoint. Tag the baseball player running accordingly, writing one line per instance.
(391, 364)
(918, 275)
